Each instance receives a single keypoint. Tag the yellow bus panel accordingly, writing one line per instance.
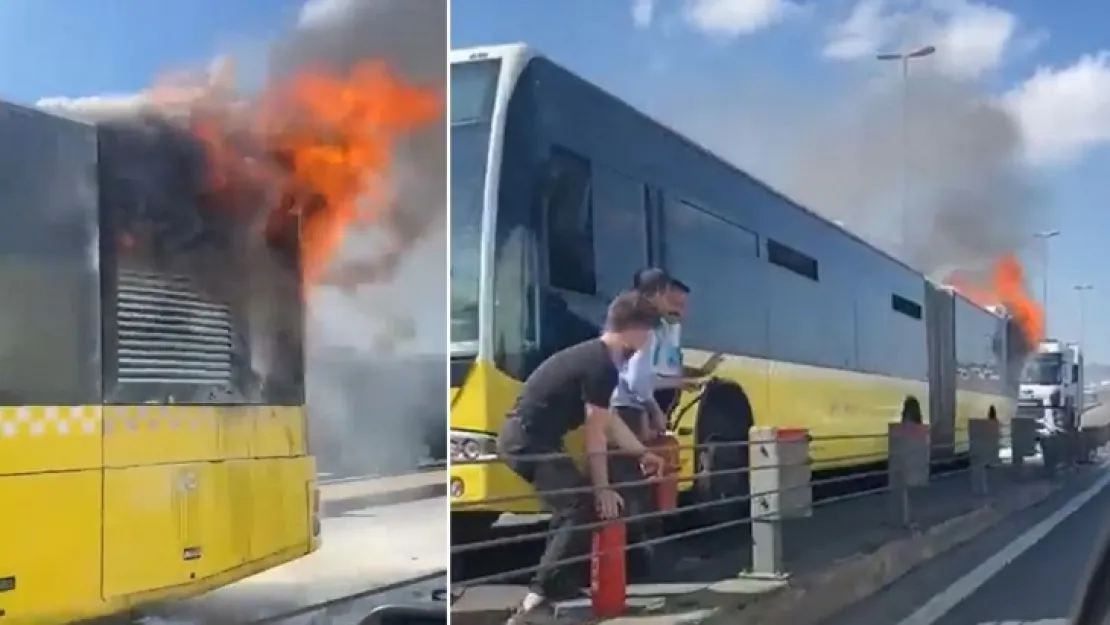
(52, 551)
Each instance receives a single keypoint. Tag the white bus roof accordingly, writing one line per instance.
(477, 53)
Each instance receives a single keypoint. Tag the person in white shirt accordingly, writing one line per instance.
(672, 375)
(647, 389)
(654, 365)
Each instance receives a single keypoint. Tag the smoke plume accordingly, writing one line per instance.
(377, 376)
(376, 327)
(958, 168)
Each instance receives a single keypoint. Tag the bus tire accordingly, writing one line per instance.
(724, 416)
(911, 410)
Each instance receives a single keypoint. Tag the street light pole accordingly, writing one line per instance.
(904, 59)
(1082, 289)
(1044, 236)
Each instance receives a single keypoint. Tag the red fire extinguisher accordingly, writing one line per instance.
(608, 579)
(666, 486)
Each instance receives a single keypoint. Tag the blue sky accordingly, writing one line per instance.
(75, 48)
(785, 61)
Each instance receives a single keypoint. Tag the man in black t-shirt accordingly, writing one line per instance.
(570, 389)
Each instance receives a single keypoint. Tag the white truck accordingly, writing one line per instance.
(1052, 385)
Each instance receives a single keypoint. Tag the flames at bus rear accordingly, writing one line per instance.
(320, 143)
(313, 152)
(1006, 286)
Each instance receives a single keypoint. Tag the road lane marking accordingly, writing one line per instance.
(944, 602)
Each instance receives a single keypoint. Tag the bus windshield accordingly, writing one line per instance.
(473, 85)
(1044, 369)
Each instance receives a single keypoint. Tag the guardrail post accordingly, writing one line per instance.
(781, 488)
(909, 453)
(1023, 439)
(984, 439)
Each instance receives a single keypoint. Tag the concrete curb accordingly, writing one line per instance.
(809, 599)
(336, 507)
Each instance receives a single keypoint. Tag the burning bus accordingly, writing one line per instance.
(155, 264)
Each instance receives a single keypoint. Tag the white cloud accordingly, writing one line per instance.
(722, 18)
(643, 11)
(732, 18)
(972, 38)
(322, 12)
(865, 31)
(1064, 111)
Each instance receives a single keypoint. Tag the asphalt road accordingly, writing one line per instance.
(1027, 571)
(361, 550)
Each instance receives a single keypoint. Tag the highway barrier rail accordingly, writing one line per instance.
(793, 524)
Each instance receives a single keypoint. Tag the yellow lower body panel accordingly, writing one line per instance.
(848, 410)
(168, 532)
(977, 405)
(50, 558)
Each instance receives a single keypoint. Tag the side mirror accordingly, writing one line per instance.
(412, 614)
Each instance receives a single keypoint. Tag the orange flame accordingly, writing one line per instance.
(1009, 282)
(1007, 287)
(325, 141)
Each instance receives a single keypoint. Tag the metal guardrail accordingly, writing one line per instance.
(781, 486)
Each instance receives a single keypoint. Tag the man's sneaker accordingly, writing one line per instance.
(543, 614)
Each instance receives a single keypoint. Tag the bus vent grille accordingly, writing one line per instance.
(169, 333)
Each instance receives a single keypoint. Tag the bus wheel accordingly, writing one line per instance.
(724, 418)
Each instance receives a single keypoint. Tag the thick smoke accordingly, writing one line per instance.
(377, 327)
(377, 374)
(957, 167)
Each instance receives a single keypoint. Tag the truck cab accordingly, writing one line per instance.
(1052, 385)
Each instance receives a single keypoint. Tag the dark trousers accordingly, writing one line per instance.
(639, 497)
(569, 513)
(624, 470)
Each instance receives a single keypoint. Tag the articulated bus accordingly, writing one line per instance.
(152, 436)
(560, 192)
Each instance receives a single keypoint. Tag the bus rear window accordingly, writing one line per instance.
(473, 85)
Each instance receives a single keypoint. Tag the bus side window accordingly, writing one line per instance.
(620, 231)
(569, 220)
(719, 261)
